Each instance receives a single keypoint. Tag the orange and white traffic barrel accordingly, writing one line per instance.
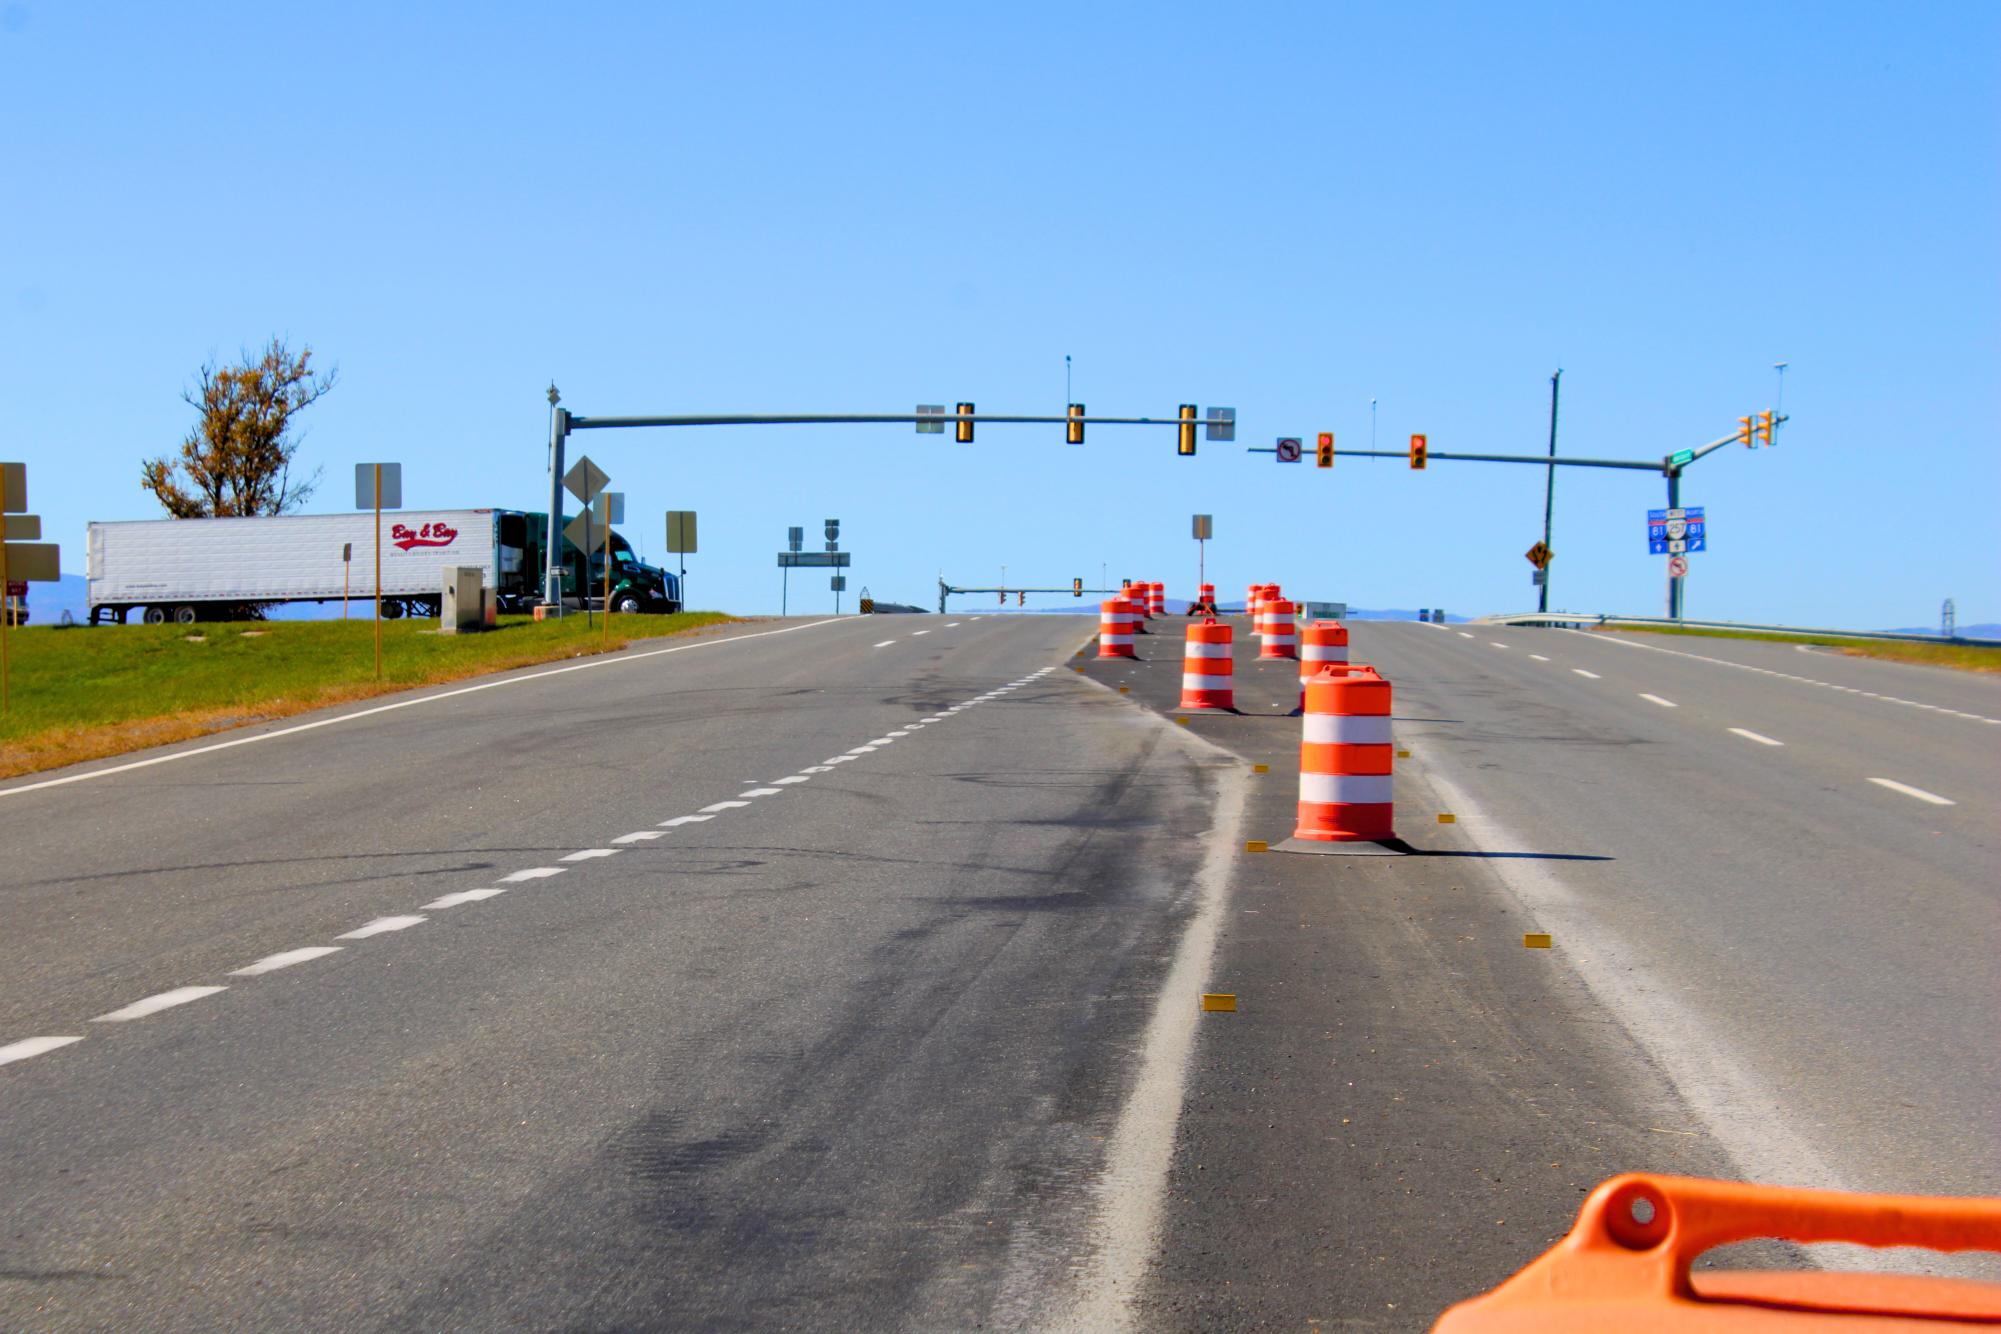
(1205, 599)
(1156, 599)
(1251, 602)
(1207, 668)
(1321, 644)
(1136, 595)
(1344, 759)
(1116, 622)
(1275, 629)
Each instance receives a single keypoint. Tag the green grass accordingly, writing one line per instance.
(1963, 657)
(82, 693)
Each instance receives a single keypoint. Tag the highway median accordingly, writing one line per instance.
(83, 694)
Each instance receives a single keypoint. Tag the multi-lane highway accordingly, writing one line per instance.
(844, 975)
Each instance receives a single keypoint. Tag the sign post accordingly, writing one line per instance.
(681, 542)
(378, 486)
(346, 572)
(1675, 532)
(584, 481)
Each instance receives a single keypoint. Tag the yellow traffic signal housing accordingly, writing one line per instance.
(1076, 588)
(1744, 436)
(1185, 446)
(964, 434)
(1419, 450)
(1324, 450)
(1073, 430)
(1764, 428)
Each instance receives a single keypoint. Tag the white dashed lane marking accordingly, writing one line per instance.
(383, 925)
(915, 633)
(1749, 735)
(1590, 675)
(166, 1000)
(1656, 699)
(271, 963)
(1497, 643)
(462, 896)
(1918, 792)
(26, 1047)
(1464, 635)
(1538, 657)
(885, 643)
(952, 626)
(1624, 642)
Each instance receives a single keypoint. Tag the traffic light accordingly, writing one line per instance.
(1076, 588)
(1764, 428)
(1003, 597)
(1744, 436)
(1021, 598)
(1185, 446)
(1419, 449)
(1073, 430)
(965, 429)
(1324, 450)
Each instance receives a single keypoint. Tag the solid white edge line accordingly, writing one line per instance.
(1141, 1148)
(611, 660)
(165, 1000)
(382, 925)
(26, 1047)
(1758, 737)
(271, 963)
(1918, 792)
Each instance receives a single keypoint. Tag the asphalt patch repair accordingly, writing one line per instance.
(1407, 1106)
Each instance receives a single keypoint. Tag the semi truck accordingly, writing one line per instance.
(189, 570)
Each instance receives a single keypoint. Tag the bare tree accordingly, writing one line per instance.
(237, 459)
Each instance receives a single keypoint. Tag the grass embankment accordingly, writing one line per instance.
(84, 693)
(1964, 657)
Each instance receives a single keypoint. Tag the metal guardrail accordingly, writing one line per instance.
(1661, 622)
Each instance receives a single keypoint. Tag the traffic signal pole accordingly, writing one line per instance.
(1548, 491)
(1670, 467)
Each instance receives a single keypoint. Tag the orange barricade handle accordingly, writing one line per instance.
(1625, 1265)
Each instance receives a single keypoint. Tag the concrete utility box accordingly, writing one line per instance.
(462, 606)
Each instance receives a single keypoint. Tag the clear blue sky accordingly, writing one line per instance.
(1287, 209)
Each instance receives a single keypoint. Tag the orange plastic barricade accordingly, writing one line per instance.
(1208, 675)
(1116, 621)
(1625, 1265)
(1320, 643)
(1276, 629)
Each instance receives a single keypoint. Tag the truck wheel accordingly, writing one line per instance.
(392, 610)
(185, 616)
(627, 605)
(155, 616)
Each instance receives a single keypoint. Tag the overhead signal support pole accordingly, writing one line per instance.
(378, 572)
(1549, 489)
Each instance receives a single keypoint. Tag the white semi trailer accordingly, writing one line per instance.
(189, 570)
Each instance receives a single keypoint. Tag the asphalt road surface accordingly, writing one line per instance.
(843, 975)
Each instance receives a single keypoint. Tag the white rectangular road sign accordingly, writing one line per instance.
(611, 507)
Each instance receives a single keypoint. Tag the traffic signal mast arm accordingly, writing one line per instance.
(1663, 466)
(577, 423)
